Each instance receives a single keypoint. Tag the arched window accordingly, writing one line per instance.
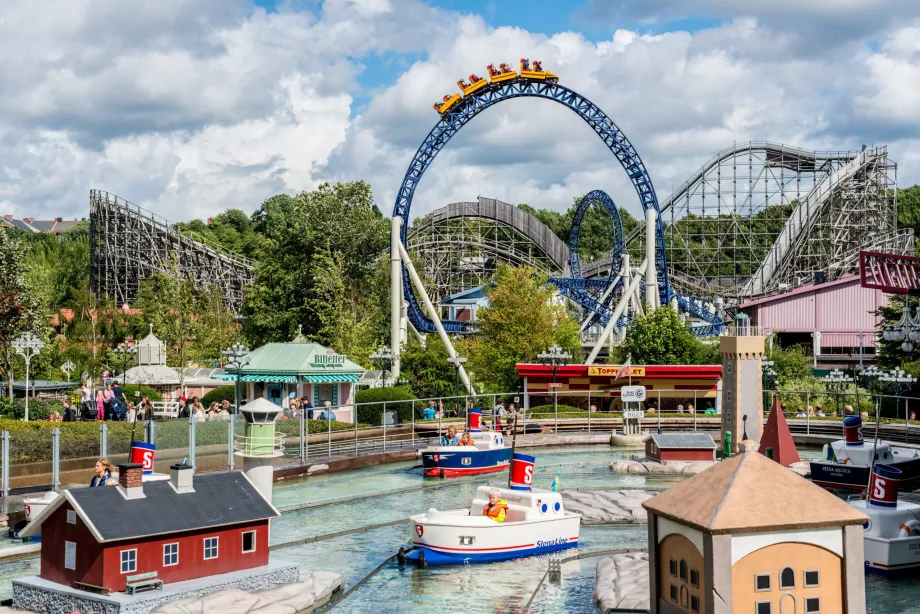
(787, 578)
(683, 570)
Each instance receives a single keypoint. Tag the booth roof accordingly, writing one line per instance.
(294, 359)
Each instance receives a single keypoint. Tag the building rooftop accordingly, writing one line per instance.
(296, 359)
(28, 224)
(683, 440)
(750, 493)
(219, 499)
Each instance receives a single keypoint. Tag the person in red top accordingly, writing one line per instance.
(496, 507)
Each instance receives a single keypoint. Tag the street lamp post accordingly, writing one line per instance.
(68, 368)
(835, 381)
(124, 350)
(28, 345)
(769, 379)
(457, 361)
(555, 357)
(384, 356)
(237, 357)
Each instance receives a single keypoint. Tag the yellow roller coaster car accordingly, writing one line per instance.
(534, 70)
(476, 83)
(445, 106)
(504, 73)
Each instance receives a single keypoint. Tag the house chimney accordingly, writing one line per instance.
(180, 477)
(58, 219)
(130, 480)
(8, 217)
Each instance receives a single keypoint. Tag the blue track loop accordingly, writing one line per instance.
(468, 108)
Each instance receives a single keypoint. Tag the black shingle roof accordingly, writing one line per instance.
(219, 499)
(683, 440)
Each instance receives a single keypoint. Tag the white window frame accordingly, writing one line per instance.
(131, 560)
(807, 611)
(243, 542)
(216, 548)
(71, 517)
(167, 554)
(805, 578)
(758, 603)
(769, 577)
(72, 546)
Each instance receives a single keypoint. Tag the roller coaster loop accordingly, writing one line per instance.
(469, 107)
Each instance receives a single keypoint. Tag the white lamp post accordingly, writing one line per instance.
(385, 357)
(68, 368)
(554, 357)
(457, 361)
(28, 345)
(237, 357)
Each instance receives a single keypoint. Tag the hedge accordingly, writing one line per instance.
(378, 397)
(145, 391)
(548, 409)
(221, 393)
(31, 441)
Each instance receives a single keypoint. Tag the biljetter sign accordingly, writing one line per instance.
(329, 359)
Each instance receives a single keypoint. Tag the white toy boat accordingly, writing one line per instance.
(535, 523)
(892, 534)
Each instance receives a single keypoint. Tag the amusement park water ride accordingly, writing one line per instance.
(847, 463)
(891, 538)
(534, 523)
(488, 454)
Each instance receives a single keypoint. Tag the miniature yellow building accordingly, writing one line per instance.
(748, 536)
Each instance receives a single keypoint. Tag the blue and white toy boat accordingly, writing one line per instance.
(847, 463)
(535, 523)
(488, 454)
(891, 537)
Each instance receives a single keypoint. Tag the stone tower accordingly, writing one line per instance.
(742, 387)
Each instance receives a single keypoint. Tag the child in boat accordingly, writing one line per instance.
(466, 440)
(496, 507)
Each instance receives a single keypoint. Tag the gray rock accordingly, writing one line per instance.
(668, 468)
(622, 582)
(608, 506)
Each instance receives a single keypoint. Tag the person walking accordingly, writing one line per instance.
(100, 405)
(103, 475)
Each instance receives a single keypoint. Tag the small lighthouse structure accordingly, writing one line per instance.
(259, 445)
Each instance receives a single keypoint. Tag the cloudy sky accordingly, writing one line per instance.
(188, 107)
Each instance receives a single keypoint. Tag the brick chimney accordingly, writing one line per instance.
(58, 219)
(8, 217)
(180, 478)
(130, 480)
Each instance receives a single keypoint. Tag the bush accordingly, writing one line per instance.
(548, 409)
(145, 391)
(221, 393)
(376, 397)
(38, 409)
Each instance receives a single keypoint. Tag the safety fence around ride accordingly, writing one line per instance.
(41, 454)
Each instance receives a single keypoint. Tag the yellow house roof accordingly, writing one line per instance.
(750, 493)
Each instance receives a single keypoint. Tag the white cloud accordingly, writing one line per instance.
(192, 107)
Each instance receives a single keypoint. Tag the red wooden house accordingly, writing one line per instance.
(181, 529)
(690, 446)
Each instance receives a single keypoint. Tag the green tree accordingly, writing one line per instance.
(19, 309)
(334, 228)
(789, 363)
(520, 321)
(426, 368)
(662, 338)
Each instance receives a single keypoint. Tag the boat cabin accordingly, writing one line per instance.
(692, 446)
(522, 505)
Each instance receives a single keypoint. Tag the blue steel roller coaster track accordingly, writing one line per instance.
(469, 107)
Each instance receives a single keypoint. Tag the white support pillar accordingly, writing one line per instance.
(621, 306)
(651, 278)
(395, 296)
(433, 314)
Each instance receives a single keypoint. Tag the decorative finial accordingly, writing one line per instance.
(151, 328)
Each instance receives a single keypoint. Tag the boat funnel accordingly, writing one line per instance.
(143, 453)
(474, 421)
(852, 426)
(522, 471)
(883, 487)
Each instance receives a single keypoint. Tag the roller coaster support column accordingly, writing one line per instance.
(433, 314)
(396, 289)
(621, 307)
(651, 278)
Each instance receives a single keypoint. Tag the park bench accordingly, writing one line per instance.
(142, 581)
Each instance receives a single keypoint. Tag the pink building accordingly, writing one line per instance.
(835, 318)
